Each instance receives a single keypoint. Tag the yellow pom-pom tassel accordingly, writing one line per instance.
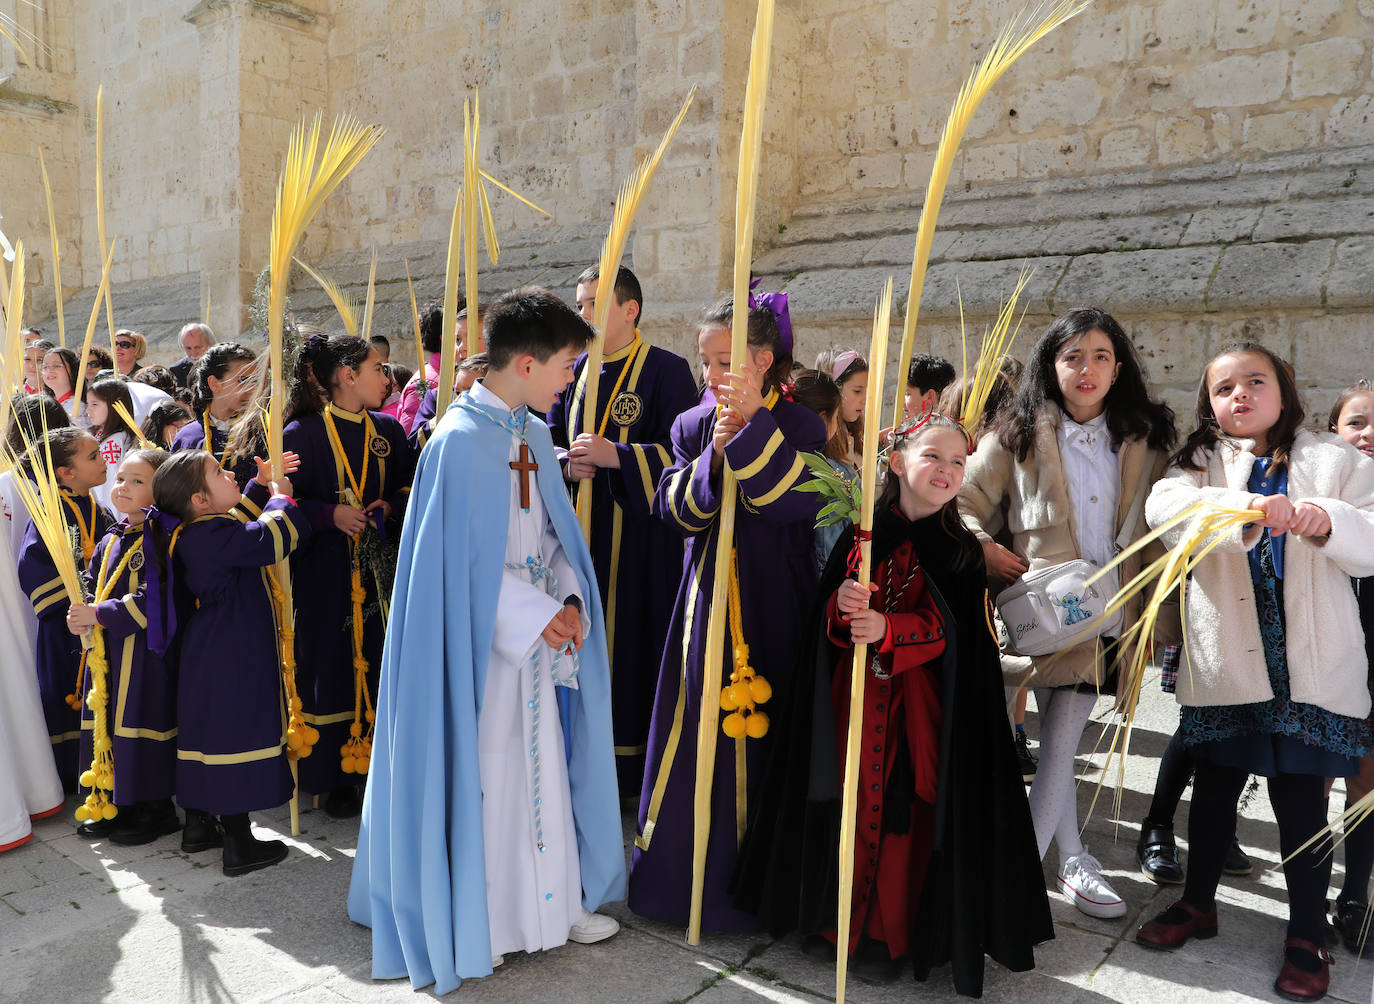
(757, 725)
(293, 739)
(349, 764)
(760, 689)
(735, 726)
(109, 811)
(82, 814)
(370, 715)
(727, 699)
(742, 695)
(88, 779)
(363, 764)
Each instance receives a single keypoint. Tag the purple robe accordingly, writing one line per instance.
(638, 558)
(142, 710)
(321, 577)
(59, 651)
(231, 716)
(191, 436)
(777, 576)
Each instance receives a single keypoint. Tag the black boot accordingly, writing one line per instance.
(1158, 853)
(1237, 862)
(243, 852)
(345, 802)
(145, 822)
(202, 832)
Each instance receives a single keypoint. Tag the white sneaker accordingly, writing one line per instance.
(592, 928)
(1081, 879)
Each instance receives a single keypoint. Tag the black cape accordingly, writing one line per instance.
(984, 892)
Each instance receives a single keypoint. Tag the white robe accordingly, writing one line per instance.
(534, 885)
(29, 785)
(112, 450)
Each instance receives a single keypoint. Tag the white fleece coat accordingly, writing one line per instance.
(1224, 655)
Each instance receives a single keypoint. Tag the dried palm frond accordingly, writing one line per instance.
(346, 306)
(144, 443)
(449, 349)
(100, 206)
(371, 298)
(90, 325)
(995, 346)
(627, 203)
(11, 31)
(750, 151)
(56, 251)
(1025, 29)
(12, 359)
(43, 499)
(858, 673)
(419, 339)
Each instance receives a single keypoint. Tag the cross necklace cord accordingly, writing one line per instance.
(515, 425)
(525, 466)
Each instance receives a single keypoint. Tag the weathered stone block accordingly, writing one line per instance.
(1351, 120)
(1139, 281)
(1129, 147)
(1237, 81)
(1279, 131)
(1332, 218)
(1331, 66)
(1181, 139)
(1266, 276)
(1220, 226)
(1245, 24)
(1350, 282)
(1310, 17)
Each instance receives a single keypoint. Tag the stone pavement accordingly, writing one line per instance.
(85, 922)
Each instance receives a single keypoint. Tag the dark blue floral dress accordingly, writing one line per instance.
(1277, 736)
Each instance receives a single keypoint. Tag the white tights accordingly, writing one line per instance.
(1064, 712)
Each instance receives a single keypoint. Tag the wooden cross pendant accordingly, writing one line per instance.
(525, 466)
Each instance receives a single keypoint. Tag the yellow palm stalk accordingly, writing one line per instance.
(144, 443)
(12, 371)
(750, 148)
(10, 31)
(858, 673)
(100, 205)
(471, 209)
(308, 177)
(346, 307)
(419, 340)
(371, 298)
(1025, 29)
(90, 326)
(994, 348)
(56, 253)
(627, 204)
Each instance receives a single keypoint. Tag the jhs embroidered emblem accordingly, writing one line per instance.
(136, 561)
(380, 447)
(626, 409)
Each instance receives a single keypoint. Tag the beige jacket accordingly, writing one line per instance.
(1224, 661)
(1040, 517)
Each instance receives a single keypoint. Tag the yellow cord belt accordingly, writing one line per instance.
(746, 688)
(99, 803)
(355, 755)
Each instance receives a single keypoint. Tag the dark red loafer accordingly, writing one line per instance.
(1299, 985)
(1176, 925)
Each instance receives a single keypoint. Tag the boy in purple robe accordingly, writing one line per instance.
(760, 434)
(643, 388)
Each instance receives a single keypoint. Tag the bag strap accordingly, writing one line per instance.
(1123, 539)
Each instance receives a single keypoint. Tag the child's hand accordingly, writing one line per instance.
(381, 504)
(1278, 512)
(1310, 520)
(291, 463)
(728, 425)
(282, 486)
(1003, 565)
(349, 520)
(565, 629)
(867, 627)
(740, 392)
(597, 451)
(81, 618)
(852, 597)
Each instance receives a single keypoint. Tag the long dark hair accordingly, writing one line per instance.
(216, 362)
(1362, 386)
(1278, 439)
(321, 359)
(179, 477)
(815, 391)
(1130, 410)
(30, 414)
(907, 438)
(69, 361)
(112, 390)
(61, 447)
(763, 334)
(164, 413)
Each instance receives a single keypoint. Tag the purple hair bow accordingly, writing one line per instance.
(161, 603)
(775, 304)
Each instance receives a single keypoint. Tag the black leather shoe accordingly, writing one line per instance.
(1024, 758)
(1349, 921)
(201, 833)
(96, 829)
(144, 823)
(243, 852)
(1158, 854)
(1237, 862)
(345, 802)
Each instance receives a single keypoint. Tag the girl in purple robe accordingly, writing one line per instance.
(760, 434)
(354, 479)
(77, 468)
(141, 716)
(231, 717)
(222, 384)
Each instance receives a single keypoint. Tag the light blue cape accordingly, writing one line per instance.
(419, 879)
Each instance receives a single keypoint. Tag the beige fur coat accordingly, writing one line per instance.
(1040, 518)
(1224, 661)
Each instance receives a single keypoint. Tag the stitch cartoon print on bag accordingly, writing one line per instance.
(1073, 605)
